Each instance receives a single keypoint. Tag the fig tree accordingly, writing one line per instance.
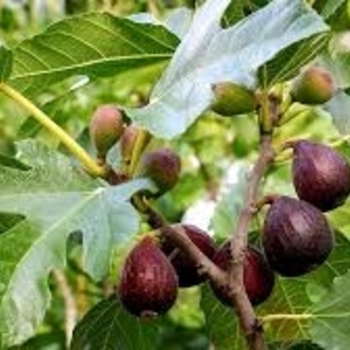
(313, 86)
(232, 99)
(321, 176)
(297, 237)
(186, 270)
(259, 278)
(162, 166)
(106, 127)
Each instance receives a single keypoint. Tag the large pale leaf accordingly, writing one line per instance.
(208, 54)
(109, 326)
(94, 44)
(57, 199)
(330, 327)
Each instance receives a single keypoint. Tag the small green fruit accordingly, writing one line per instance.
(232, 99)
(163, 167)
(313, 87)
(106, 127)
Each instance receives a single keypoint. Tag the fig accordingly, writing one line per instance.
(127, 143)
(321, 176)
(232, 99)
(259, 279)
(297, 237)
(162, 166)
(106, 127)
(313, 86)
(148, 284)
(186, 270)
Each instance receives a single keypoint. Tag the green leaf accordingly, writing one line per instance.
(57, 199)
(330, 322)
(109, 326)
(221, 321)
(327, 8)
(208, 54)
(5, 63)
(94, 44)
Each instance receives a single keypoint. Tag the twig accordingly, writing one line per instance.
(71, 312)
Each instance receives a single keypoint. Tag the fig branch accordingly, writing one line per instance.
(90, 165)
(249, 322)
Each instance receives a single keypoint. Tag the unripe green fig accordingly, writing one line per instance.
(314, 86)
(232, 99)
(106, 127)
(321, 176)
(148, 284)
(186, 270)
(163, 167)
(297, 237)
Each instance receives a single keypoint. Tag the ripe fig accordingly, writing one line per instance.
(148, 284)
(186, 271)
(259, 279)
(321, 176)
(232, 99)
(297, 237)
(106, 127)
(162, 166)
(313, 86)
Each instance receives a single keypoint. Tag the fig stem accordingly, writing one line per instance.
(90, 165)
(275, 317)
(339, 142)
(142, 140)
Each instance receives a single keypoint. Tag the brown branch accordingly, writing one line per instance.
(248, 320)
(71, 312)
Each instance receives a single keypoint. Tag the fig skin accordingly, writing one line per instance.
(186, 270)
(232, 99)
(106, 127)
(321, 176)
(314, 86)
(148, 284)
(163, 167)
(297, 237)
(259, 278)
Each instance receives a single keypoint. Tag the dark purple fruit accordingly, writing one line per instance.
(232, 99)
(314, 86)
(297, 237)
(162, 166)
(186, 271)
(321, 176)
(106, 127)
(148, 284)
(259, 278)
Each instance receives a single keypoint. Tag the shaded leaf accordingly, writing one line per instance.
(94, 44)
(330, 326)
(109, 326)
(208, 54)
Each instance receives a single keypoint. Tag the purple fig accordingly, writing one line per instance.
(127, 143)
(148, 284)
(297, 237)
(106, 127)
(232, 99)
(321, 176)
(186, 270)
(259, 279)
(313, 86)
(162, 166)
